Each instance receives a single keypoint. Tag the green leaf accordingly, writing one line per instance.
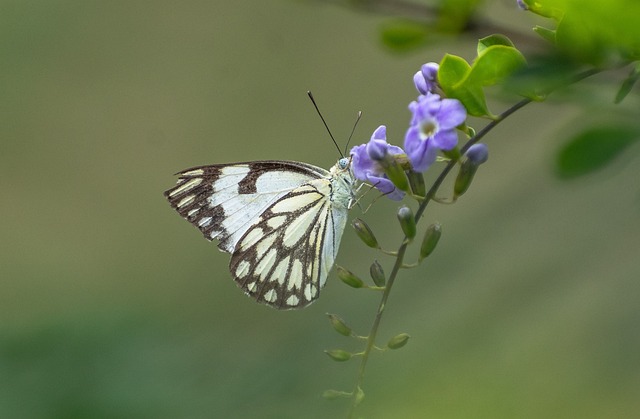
(495, 39)
(452, 76)
(496, 63)
(548, 35)
(452, 71)
(404, 35)
(628, 83)
(593, 149)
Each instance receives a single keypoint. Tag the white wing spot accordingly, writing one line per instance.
(252, 286)
(310, 291)
(242, 269)
(193, 212)
(205, 221)
(190, 184)
(276, 222)
(270, 296)
(295, 202)
(293, 300)
(265, 244)
(196, 172)
(186, 201)
(230, 176)
(266, 263)
(251, 238)
(280, 273)
(295, 279)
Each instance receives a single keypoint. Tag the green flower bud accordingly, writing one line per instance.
(416, 182)
(398, 341)
(430, 240)
(349, 277)
(377, 274)
(474, 157)
(407, 222)
(396, 174)
(339, 325)
(338, 355)
(364, 232)
(464, 178)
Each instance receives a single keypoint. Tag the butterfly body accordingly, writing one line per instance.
(281, 221)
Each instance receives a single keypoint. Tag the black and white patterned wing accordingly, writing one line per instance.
(224, 201)
(284, 258)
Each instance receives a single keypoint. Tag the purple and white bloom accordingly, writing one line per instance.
(426, 80)
(367, 161)
(433, 128)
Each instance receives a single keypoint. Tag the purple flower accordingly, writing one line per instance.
(522, 5)
(366, 163)
(426, 80)
(433, 128)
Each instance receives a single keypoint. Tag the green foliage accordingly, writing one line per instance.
(593, 149)
(497, 59)
(403, 35)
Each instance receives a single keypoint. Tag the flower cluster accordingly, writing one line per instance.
(432, 128)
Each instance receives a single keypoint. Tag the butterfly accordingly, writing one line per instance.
(281, 221)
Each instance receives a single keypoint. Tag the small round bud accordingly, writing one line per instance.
(431, 237)
(377, 274)
(398, 341)
(339, 325)
(478, 153)
(338, 355)
(349, 277)
(364, 232)
(407, 222)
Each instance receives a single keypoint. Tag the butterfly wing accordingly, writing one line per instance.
(284, 258)
(224, 201)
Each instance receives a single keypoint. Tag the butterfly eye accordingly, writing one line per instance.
(343, 163)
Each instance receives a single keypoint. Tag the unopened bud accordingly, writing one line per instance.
(339, 325)
(431, 237)
(416, 182)
(338, 355)
(474, 157)
(407, 222)
(364, 232)
(398, 341)
(377, 274)
(349, 277)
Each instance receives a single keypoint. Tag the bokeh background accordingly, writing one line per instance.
(114, 307)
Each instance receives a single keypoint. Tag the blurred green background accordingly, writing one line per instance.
(114, 307)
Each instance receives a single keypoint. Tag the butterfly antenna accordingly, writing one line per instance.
(355, 124)
(324, 122)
